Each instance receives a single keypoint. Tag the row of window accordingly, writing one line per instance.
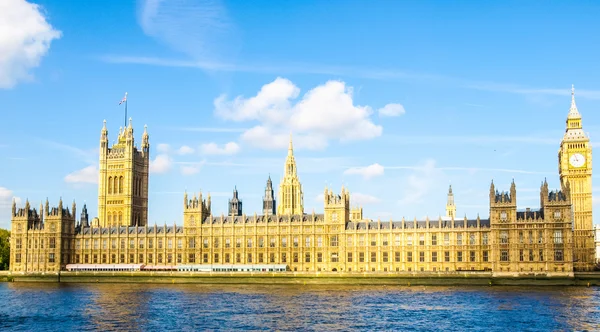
(386, 257)
(36, 258)
(296, 257)
(557, 238)
(261, 242)
(531, 255)
(34, 243)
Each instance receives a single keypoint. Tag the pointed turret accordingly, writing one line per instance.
(450, 207)
(269, 204)
(513, 191)
(235, 204)
(84, 219)
(104, 132)
(14, 207)
(145, 140)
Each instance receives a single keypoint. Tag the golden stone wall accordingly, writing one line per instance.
(41, 242)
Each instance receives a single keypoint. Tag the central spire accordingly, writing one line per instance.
(290, 200)
(290, 147)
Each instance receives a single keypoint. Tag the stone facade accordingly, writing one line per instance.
(509, 242)
(123, 180)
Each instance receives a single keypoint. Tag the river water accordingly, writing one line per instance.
(144, 307)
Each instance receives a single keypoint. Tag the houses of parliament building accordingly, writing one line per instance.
(554, 240)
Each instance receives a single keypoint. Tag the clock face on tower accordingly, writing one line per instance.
(577, 160)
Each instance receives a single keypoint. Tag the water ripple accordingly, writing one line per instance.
(135, 307)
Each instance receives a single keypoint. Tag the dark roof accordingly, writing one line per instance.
(421, 224)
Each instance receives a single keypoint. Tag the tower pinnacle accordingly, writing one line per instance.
(573, 112)
(290, 199)
(450, 207)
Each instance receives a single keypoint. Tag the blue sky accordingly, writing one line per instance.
(394, 100)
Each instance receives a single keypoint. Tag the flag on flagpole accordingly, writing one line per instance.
(124, 99)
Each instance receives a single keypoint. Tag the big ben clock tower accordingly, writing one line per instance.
(575, 167)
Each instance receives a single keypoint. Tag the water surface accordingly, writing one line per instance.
(143, 307)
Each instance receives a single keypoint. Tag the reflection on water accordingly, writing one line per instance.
(139, 307)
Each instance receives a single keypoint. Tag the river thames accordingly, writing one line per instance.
(145, 307)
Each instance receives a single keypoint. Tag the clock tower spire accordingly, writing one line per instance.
(575, 168)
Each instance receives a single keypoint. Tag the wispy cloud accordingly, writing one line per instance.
(517, 89)
(476, 105)
(420, 182)
(200, 29)
(211, 129)
(366, 172)
(281, 69)
(332, 70)
(476, 139)
(88, 174)
(473, 169)
(306, 164)
(87, 155)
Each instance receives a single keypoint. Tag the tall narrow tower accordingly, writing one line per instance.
(290, 196)
(575, 167)
(450, 207)
(269, 204)
(123, 179)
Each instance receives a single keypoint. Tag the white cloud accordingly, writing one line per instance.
(265, 138)
(161, 164)
(25, 38)
(6, 198)
(420, 183)
(85, 175)
(362, 199)
(163, 148)
(227, 149)
(185, 150)
(324, 113)
(366, 172)
(391, 110)
(189, 170)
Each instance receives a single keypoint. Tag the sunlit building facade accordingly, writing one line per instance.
(552, 240)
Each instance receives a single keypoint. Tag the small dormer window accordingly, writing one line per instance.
(557, 214)
(503, 216)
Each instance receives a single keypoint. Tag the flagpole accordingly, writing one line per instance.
(125, 110)
(125, 113)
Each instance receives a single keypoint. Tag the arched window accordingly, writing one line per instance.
(109, 218)
(116, 185)
(120, 217)
(121, 185)
(110, 184)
